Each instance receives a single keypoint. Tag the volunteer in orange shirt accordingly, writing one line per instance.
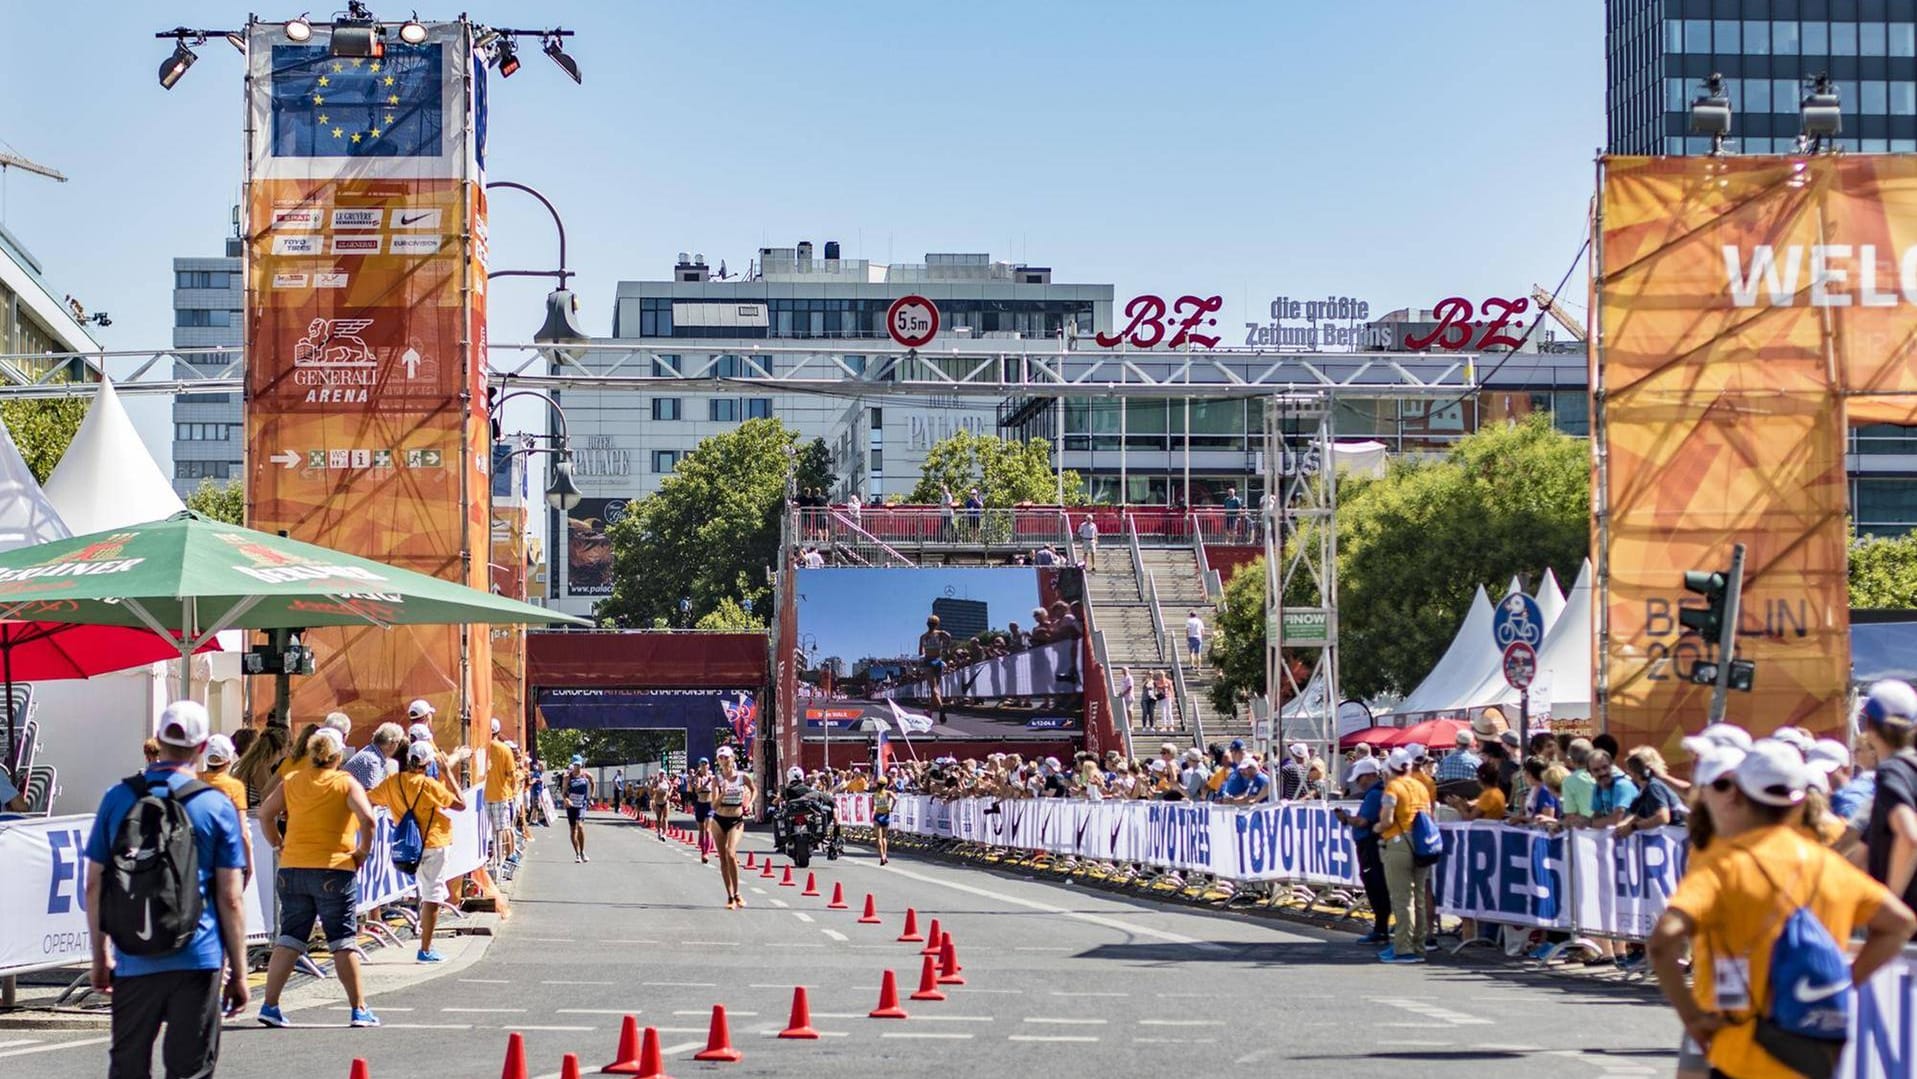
(327, 835)
(412, 790)
(1736, 904)
(218, 774)
(502, 773)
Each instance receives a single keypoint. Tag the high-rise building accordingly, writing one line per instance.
(209, 435)
(1659, 52)
(962, 618)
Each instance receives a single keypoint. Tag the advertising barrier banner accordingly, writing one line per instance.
(43, 891)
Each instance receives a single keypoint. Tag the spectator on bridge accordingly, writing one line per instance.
(1367, 783)
(1404, 798)
(1088, 540)
(327, 836)
(187, 989)
(1234, 511)
(1291, 774)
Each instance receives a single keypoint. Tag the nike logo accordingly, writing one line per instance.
(146, 931)
(405, 220)
(1806, 993)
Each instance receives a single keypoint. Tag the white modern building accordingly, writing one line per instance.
(626, 442)
(209, 430)
(34, 318)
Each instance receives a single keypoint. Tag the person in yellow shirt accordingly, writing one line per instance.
(1404, 798)
(327, 835)
(218, 774)
(1489, 805)
(1736, 903)
(427, 799)
(501, 784)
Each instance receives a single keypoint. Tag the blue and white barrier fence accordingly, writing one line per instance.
(43, 921)
(1578, 881)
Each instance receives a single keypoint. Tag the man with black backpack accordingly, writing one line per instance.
(165, 862)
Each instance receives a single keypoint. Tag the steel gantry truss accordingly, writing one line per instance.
(847, 368)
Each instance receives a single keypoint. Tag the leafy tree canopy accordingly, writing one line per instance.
(1006, 472)
(224, 502)
(43, 429)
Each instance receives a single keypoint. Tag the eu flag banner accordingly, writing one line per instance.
(326, 106)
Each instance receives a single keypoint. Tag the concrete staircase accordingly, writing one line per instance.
(1181, 591)
(1122, 615)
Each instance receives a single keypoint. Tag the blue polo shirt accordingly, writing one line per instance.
(221, 839)
(1369, 808)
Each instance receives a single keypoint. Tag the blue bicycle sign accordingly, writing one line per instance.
(1518, 619)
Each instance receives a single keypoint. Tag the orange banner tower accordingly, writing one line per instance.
(365, 339)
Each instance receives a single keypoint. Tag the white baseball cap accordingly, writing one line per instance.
(1828, 751)
(1773, 773)
(420, 753)
(1795, 737)
(1714, 762)
(183, 724)
(420, 709)
(1718, 736)
(219, 749)
(419, 732)
(1364, 766)
(1890, 702)
(1399, 759)
(495, 724)
(330, 736)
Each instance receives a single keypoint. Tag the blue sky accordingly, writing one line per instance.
(1398, 151)
(854, 613)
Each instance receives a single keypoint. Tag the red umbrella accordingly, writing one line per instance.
(56, 651)
(1442, 733)
(1371, 736)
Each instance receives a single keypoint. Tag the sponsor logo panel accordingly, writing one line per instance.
(364, 217)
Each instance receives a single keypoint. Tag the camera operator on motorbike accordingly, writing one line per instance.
(801, 804)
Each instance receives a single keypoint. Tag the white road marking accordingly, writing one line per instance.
(1082, 916)
(955, 1018)
(682, 985)
(1254, 1056)
(1432, 1011)
(802, 915)
(618, 940)
(484, 1011)
(1064, 993)
(675, 1050)
(1407, 1041)
(835, 935)
(1050, 1038)
(1181, 1022)
(597, 1011)
(712, 943)
(562, 1030)
(485, 981)
(681, 1030)
(575, 983)
(781, 904)
(551, 940)
(1174, 1041)
(1063, 1022)
(756, 890)
(794, 944)
(16, 1043)
(1416, 1026)
(956, 1035)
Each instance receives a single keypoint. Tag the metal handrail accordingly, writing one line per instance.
(1111, 691)
(1138, 563)
(1167, 647)
(857, 528)
(1214, 585)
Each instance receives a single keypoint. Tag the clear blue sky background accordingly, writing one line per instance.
(1398, 151)
(855, 613)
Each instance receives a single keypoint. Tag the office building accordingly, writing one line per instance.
(209, 432)
(1658, 54)
(33, 317)
(962, 618)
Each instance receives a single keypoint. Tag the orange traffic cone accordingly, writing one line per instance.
(838, 897)
(888, 999)
(651, 1062)
(719, 1040)
(627, 1060)
(800, 1024)
(569, 1066)
(948, 963)
(932, 941)
(359, 1070)
(911, 934)
(787, 881)
(811, 885)
(766, 869)
(871, 915)
(749, 862)
(515, 1057)
(929, 981)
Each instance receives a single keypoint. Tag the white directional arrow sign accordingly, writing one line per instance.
(287, 458)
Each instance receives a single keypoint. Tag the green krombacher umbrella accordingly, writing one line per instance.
(192, 577)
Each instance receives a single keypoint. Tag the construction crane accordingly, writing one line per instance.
(15, 161)
(1549, 304)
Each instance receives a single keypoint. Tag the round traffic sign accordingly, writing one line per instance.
(1518, 618)
(912, 321)
(1520, 665)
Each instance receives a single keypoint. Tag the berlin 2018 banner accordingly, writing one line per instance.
(1748, 308)
(365, 339)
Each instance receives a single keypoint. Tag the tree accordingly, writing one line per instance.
(226, 502)
(1883, 571)
(1237, 649)
(1415, 544)
(559, 747)
(815, 467)
(42, 429)
(708, 534)
(1005, 471)
(730, 615)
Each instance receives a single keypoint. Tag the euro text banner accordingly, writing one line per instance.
(366, 426)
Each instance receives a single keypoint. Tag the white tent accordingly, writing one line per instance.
(1564, 663)
(26, 516)
(107, 479)
(1550, 599)
(1461, 666)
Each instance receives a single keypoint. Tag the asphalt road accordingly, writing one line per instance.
(1058, 978)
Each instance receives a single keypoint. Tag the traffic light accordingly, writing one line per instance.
(1708, 620)
(1743, 674)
